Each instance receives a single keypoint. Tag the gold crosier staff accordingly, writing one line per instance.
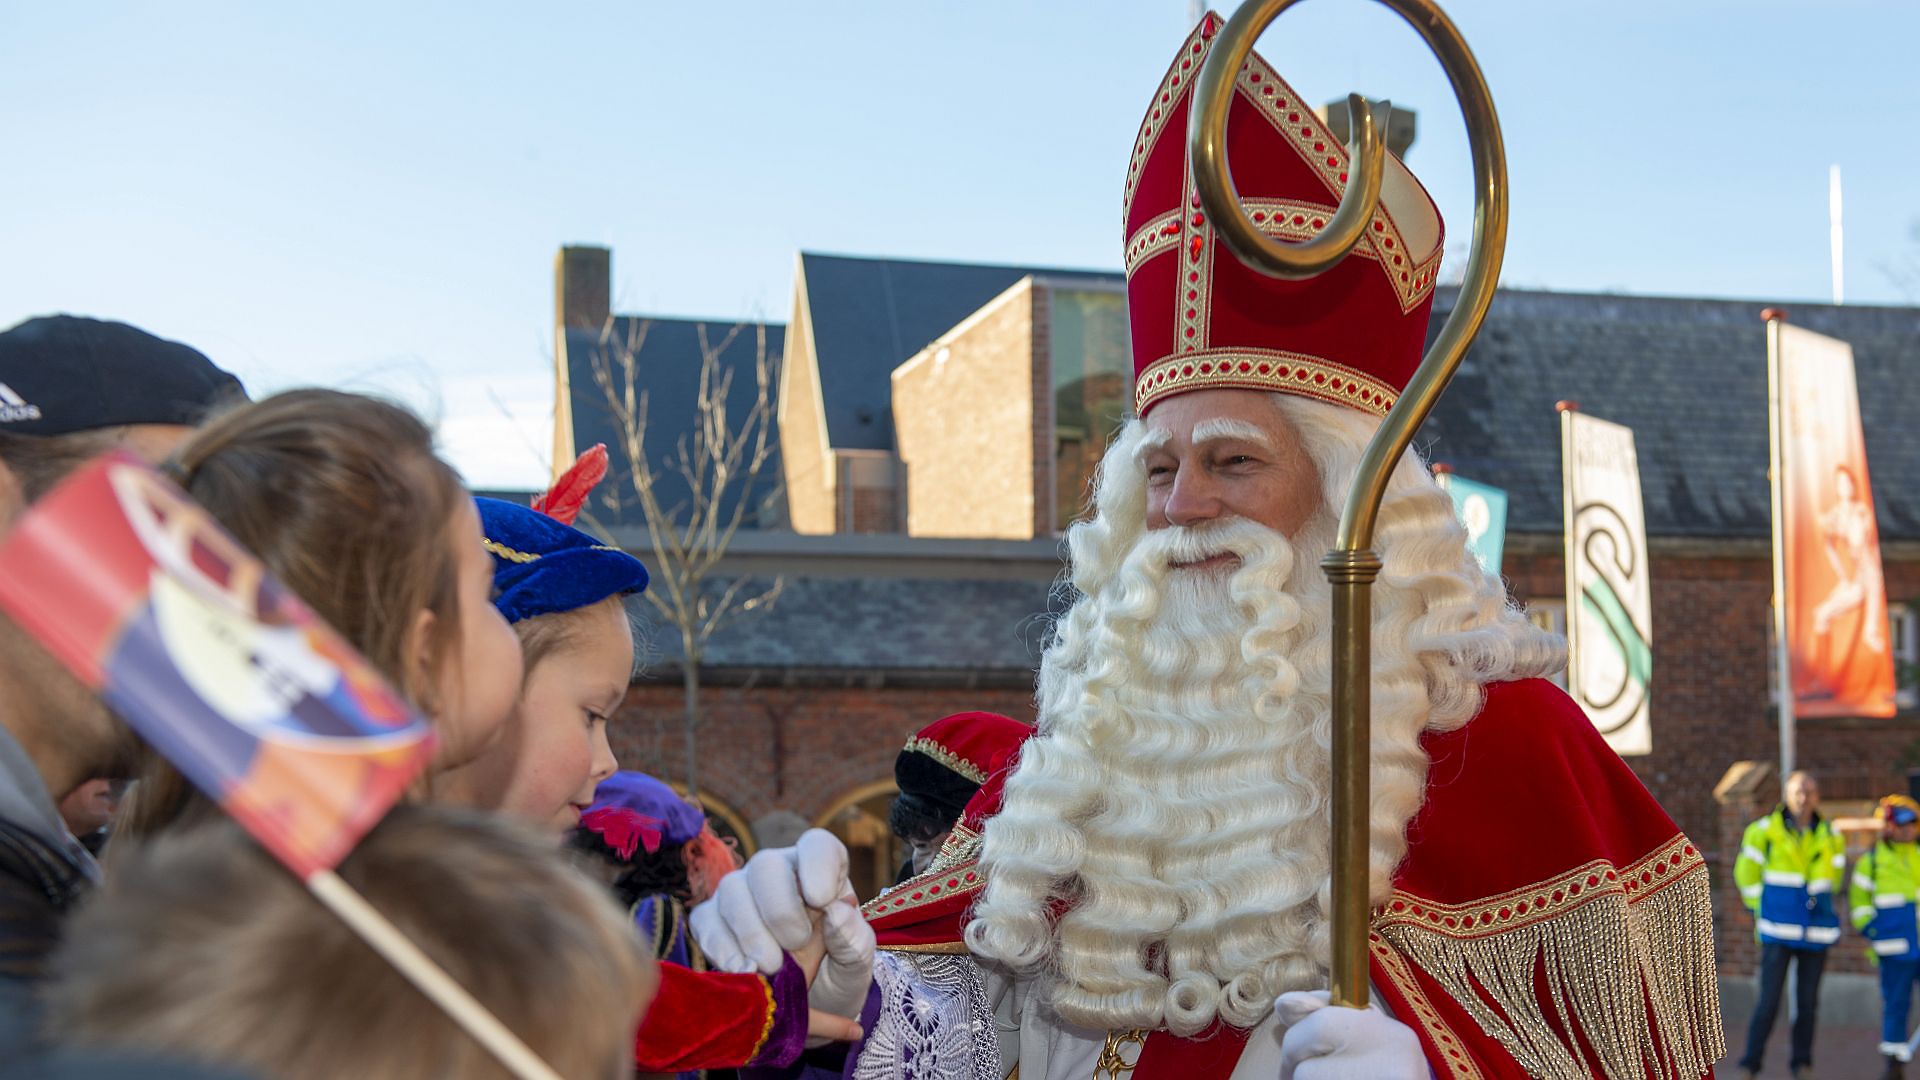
(1353, 565)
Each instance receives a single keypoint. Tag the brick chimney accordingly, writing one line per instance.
(582, 300)
(582, 288)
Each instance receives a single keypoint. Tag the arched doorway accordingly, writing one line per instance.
(859, 818)
(727, 822)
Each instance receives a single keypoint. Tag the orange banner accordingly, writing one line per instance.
(1837, 632)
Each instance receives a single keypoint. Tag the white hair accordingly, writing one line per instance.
(1161, 858)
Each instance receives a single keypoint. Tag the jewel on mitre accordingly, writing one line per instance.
(562, 501)
(624, 829)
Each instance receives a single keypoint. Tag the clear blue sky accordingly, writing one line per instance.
(370, 195)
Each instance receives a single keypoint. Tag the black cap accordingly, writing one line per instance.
(63, 374)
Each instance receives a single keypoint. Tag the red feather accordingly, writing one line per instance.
(563, 500)
(624, 829)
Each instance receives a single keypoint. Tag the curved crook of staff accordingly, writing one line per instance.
(1353, 565)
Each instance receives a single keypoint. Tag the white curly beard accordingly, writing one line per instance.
(1175, 801)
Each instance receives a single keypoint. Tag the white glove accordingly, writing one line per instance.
(846, 973)
(763, 909)
(1325, 1042)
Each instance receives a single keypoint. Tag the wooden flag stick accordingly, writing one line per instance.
(420, 970)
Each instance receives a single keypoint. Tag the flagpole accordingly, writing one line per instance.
(1569, 558)
(399, 950)
(1776, 470)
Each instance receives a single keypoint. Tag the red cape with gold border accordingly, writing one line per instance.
(1549, 919)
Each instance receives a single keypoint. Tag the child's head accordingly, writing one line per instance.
(342, 497)
(659, 843)
(561, 590)
(201, 947)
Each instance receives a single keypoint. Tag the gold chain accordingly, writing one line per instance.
(1112, 1066)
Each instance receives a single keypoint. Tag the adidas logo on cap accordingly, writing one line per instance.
(14, 408)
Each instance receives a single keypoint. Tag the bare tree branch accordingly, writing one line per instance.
(721, 460)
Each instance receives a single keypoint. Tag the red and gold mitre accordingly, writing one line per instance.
(1202, 319)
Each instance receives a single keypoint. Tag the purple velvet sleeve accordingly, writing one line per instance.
(787, 1035)
(820, 1063)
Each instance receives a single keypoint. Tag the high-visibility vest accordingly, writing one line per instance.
(1787, 877)
(1885, 898)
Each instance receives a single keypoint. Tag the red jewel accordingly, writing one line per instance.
(1193, 294)
(1378, 227)
(953, 883)
(1320, 147)
(1281, 104)
(1176, 80)
(1397, 260)
(1333, 161)
(935, 890)
(1506, 913)
(1156, 114)
(1294, 117)
(1299, 219)
(1403, 277)
(1267, 90)
(1594, 880)
(1245, 367)
(1352, 388)
(1343, 178)
(1198, 219)
(1191, 313)
(1188, 370)
(1306, 131)
(1335, 384)
(1486, 918)
(1196, 46)
(1164, 97)
(1452, 922)
(1206, 369)
(969, 875)
(1255, 77)
(1321, 379)
(1610, 875)
(1194, 246)
(1284, 371)
(1189, 334)
(917, 896)
(1259, 216)
(1319, 223)
(1185, 64)
(1264, 368)
(1389, 243)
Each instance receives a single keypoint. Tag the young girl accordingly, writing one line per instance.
(561, 590)
(342, 497)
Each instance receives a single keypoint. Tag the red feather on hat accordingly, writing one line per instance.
(563, 500)
(624, 829)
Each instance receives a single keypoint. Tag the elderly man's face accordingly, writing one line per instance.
(1226, 454)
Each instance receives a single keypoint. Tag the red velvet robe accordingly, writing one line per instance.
(1549, 918)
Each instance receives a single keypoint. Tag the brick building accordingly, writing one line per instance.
(938, 426)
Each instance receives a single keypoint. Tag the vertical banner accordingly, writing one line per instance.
(1609, 598)
(1837, 633)
(1482, 510)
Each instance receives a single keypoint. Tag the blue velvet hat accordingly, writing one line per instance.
(541, 564)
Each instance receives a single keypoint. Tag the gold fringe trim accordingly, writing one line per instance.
(944, 756)
(938, 948)
(1608, 941)
(766, 1030)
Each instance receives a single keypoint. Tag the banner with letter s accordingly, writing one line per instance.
(1609, 595)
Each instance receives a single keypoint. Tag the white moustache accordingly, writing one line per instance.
(1181, 545)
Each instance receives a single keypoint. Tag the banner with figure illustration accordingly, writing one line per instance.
(1837, 633)
(1609, 598)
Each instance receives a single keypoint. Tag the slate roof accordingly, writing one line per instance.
(1690, 378)
(899, 624)
(669, 373)
(869, 316)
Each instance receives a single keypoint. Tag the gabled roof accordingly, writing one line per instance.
(668, 372)
(869, 316)
(1690, 378)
